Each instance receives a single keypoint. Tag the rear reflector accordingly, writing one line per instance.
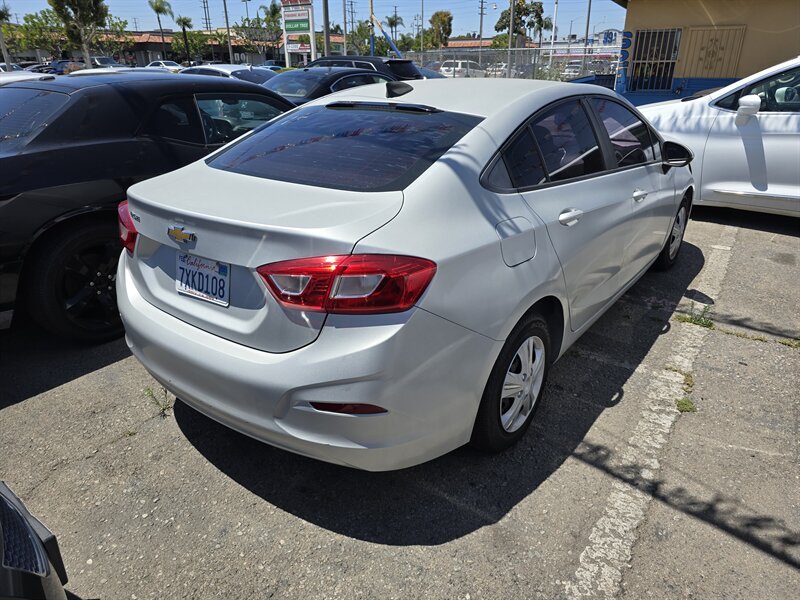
(353, 284)
(349, 409)
(127, 230)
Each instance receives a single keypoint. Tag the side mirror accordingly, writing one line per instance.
(675, 155)
(749, 105)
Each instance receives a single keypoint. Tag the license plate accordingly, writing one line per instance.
(202, 278)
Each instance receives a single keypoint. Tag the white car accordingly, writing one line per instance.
(461, 68)
(745, 138)
(387, 273)
(170, 65)
(244, 72)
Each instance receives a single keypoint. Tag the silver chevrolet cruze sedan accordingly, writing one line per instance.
(388, 273)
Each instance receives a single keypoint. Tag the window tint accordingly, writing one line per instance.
(254, 75)
(226, 117)
(176, 119)
(24, 113)
(498, 177)
(362, 147)
(567, 142)
(523, 162)
(363, 65)
(405, 69)
(629, 136)
(296, 84)
(352, 81)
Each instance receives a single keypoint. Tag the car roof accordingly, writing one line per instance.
(189, 83)
(331, 71)
(226, 68)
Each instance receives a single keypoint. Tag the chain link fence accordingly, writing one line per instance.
(563, 63)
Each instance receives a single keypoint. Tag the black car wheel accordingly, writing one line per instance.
(71, 283)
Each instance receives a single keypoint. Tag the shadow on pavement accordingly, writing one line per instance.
(456, 494)
(746, 219)
(33, 361)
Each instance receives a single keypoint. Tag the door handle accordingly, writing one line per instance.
(570, 216)
(639, 195)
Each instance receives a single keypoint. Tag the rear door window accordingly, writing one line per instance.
(24, 113)
(176, 119)
(227, 116)
(567, 142)
(630, 137)
(523, 161)
(349, 146)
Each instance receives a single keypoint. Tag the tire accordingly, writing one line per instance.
(71, 283)
(672, 246)
(496, 428)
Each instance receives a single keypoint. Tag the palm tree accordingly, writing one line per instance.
(161, 7)
(5, 17)
(185, 23)
(393, 22)
(272, 22)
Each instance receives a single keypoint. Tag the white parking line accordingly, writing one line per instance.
(611, 540)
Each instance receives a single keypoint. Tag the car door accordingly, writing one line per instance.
(557, 165)
(753, 161)
(637, 172)
(176, 133)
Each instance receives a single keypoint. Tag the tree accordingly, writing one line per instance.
(527, 15)
(393, 22)
(184, 23)
(161, 7)
(406, 42)
(81, 19)
(5, 17)
(441, 27)
(197, 44)
(272, 23)
(44, 31)
(115, 40)
(500, 41)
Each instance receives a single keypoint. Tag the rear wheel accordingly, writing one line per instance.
(669, 253)
(515, 386)
(71, 283)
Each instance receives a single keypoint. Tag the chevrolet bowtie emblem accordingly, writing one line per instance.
(180, 235)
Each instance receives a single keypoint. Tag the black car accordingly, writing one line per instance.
(302, 85)
(69, 149)
(399, 68)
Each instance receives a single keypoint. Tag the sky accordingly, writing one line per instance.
(605, 13)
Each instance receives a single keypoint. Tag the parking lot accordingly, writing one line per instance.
(612, 493)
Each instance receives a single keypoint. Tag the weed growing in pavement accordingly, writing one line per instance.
(685, 405)
(791, 343)
(741, 334)
(688, 379)
(697, 318)
(161, 401)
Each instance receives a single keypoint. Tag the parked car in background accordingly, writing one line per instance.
(245, 73)
(430, 74)
(462, 68)
(498, 70)
(434, 65)
(69, 148)
(38, 68)
(302, 85)
(397, 68)
(394, 269)
(59, 67)
(9, 67)
(170, 65)
(107, 62)
(7, 77)
(746, 140)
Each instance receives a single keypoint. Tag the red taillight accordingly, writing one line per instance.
(349, 409)
(127, 230)
(354, 284)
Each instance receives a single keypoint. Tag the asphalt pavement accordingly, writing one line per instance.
(613, 493)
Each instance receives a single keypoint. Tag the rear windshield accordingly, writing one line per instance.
(296, 84)
(24, 113)
(254, 75)
(359, 147)
(404, 69)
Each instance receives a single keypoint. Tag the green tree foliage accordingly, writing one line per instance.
(114, 41)
(184, 23)
(441, 27)
(527, 15)
(44, 31)
(161, 8)
(197, 44)
(406, 42)
(272, 24)
(5, 17)
(82, 19)
(393, 22)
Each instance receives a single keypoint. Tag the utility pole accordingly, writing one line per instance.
(394, 32)
(371, 31)
(228, 28)
(481, 12)
(344, 27)
(553, 36)
(246, 10)
(586, 38)
(136, 24)
(422, 30)
(326, 30)
(207, 24)
(511, 32)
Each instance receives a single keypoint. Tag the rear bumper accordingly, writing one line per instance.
(427, 372)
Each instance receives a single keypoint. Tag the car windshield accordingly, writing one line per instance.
(296, 84)
(254, 75)
(104, 60)
(170, 63)
(348, 145)
(24, 113)
(403, 68)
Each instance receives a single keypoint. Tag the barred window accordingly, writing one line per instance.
(655, 52)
